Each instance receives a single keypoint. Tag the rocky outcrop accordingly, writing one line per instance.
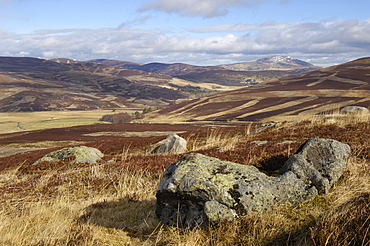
(80, 154)
(201, 190)
(172, 144)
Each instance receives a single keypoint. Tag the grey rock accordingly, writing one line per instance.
(320, 162)
(264, 126)
(202, 190)
(354, 110)
(172, 144)
(80, 154)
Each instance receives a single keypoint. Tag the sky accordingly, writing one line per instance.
(197, 32)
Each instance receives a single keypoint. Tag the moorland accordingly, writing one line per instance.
(113, 201)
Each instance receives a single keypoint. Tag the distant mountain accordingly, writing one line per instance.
(241, 74)
(173, 69)
(282, 63)
(291, 98)
(117, 63)
(29, 84)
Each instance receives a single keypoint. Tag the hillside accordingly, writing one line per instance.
(286, 99)
(274, 63)
(241, 74)
(31, 84)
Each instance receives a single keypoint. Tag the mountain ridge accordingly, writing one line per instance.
(277, 62)
(286, 63)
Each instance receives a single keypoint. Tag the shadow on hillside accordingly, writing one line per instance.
(135, 217)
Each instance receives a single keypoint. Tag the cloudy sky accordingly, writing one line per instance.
(199, 32)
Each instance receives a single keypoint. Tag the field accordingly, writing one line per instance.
(30, 121)
(113, 202)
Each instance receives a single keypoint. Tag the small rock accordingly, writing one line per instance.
(260, 143)
(264, 126)
(354, 110)
(172, 144)
(80, 154)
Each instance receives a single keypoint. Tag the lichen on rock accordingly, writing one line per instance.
(202, 190)
(79, 154)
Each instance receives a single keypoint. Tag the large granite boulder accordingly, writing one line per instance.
(172, 144)
(202, 190)
(320, 162)
(80, 154)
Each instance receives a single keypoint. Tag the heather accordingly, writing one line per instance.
(113, 202)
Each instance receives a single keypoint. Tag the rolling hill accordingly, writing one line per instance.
(291, 98)
(241, 74)
(31, 84)
(272, 63)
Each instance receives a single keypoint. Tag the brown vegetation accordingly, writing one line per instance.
(293, 98)
(117, 118)
(113, 202)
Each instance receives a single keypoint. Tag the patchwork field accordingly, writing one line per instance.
(289, 99)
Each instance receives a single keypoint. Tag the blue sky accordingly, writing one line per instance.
(199, 32)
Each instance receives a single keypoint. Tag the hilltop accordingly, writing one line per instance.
(281, 63)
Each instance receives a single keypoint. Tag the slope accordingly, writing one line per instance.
(31, 84)
(290, 98)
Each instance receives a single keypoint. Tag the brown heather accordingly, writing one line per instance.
(113, 202)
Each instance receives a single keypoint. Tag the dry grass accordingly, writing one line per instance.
(83, 205)
(337, 118)
(113, 202)
(223, 139)
(51, 119)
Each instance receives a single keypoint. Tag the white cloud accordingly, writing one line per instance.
(204, 8)
(323, 43)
